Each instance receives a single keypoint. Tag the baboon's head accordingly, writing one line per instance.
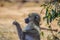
(33, 17)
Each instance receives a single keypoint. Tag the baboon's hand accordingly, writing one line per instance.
(15, 23)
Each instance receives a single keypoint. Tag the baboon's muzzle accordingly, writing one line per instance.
(27, 20)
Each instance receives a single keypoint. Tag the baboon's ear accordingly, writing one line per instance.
(37, 18)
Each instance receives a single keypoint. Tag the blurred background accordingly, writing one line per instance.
(11, 10)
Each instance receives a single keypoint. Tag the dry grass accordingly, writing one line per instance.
(10, 12)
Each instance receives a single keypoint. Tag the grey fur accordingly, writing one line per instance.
(32, 30)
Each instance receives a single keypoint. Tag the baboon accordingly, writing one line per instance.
(32, 30)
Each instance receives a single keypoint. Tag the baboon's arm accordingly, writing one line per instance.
(41, 28)
(19, 29)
